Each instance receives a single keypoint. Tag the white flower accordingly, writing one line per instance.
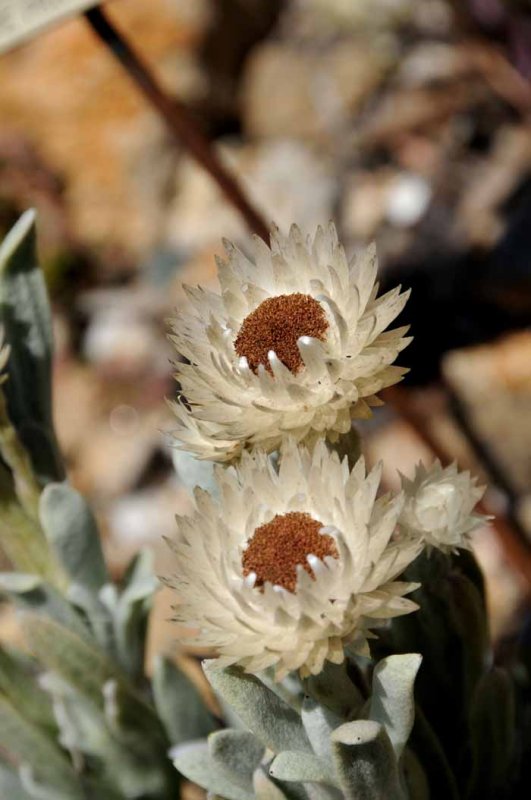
(290, 565)
(438, 507)
(294, 345)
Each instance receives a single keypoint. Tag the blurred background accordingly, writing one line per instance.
(405, 121)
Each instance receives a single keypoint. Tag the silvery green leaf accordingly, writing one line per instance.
(415, 778)
(26, 319)
(21, 539)
(179, 704)
(77, 660)
(193, 760)
(97, 615)
(392, 701)
(128, 764)
(26, 743)
(492, 720)
(289, 689)
(72, 533)
(334, 689)
(319, 723)
(291, 765)
(10, 785)
(19, 684)
(133, 721)
(14, 583)
(40, 791)
(424, 741)
(81, 725)
(365, 762)
(237, 753)
(468, 617)
(271, 719)
(31, 593)
(194, 472)
(132, 609)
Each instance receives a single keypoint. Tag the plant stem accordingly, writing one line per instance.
(177, 118)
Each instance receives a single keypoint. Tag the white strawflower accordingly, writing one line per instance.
(290, 565)
(294, 344)
(439, 505)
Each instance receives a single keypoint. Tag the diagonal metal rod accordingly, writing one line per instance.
(177, 118)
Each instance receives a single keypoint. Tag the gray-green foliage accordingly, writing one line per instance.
(78, 716)
(306, 748)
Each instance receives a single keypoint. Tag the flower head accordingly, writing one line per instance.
(438, 506)
(292, 564)
(294, 345)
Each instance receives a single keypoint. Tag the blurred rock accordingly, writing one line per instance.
(125, 334)
(364, 201)
(329, 17)
(493, 386)
(70, 99)
(432, 62)
(309, 94)
(490, 183)
(286, 180)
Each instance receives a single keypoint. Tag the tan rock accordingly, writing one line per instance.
(66, 94)
(290, 91)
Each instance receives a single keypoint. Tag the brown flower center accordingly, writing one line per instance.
(276, 548)
(276, 325)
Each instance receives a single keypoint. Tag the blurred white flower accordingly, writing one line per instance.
(294, 345)
(290, 565)
(439, 505)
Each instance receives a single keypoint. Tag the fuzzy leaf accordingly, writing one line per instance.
(10, 785)
(426, 745)
(493, 724)
(31, 593)
(301, 767)
(319, 723)
(334, 689)
(179, 704)
(415, 777)
(21, 538)
(41, 791)
(392, 701)
(26, 743)
(130, 609)
(18, 682)
(449, 631)
(97, 615)
(128, 765)
(193, 760)
(72, 532)
(237, 753)
(365, 762)
(26, 319)
(271, 719)
(133, 721)
(19, 583)
(78, 661)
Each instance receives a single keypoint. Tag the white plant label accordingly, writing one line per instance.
(22, 19)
